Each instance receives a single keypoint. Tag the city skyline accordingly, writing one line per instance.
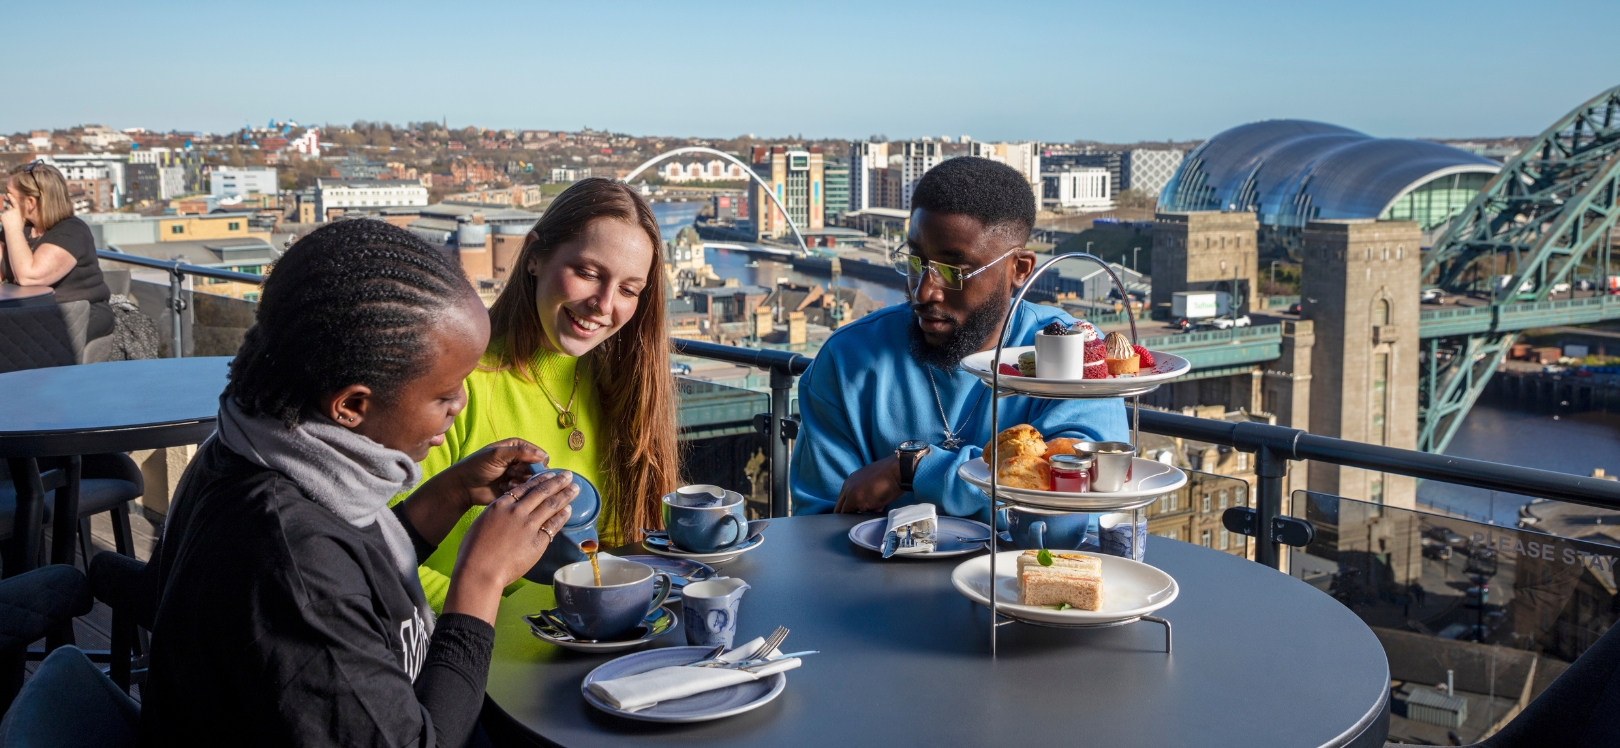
(1172, 71)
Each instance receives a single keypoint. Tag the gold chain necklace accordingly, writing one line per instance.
(565, 418)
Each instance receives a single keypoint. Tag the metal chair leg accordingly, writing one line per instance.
(123, 538)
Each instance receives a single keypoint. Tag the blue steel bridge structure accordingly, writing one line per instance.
(1507, 238)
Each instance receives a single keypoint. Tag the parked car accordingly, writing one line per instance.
(1227, 323)
(1294, 308)
(1448, 536)
(1560, 288)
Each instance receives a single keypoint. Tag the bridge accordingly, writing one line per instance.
(1545, 220)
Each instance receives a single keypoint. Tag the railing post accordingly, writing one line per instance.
(177, 306)
(1270, 468)
(781, 390)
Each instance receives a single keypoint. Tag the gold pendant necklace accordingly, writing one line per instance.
(565, 416)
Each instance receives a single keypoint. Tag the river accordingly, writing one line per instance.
(1564, 442)
(672, 217)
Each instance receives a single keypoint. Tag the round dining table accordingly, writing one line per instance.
(117, 406)
(13, 296)
(1259, 659)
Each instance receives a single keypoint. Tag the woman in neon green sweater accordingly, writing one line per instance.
(578, 364)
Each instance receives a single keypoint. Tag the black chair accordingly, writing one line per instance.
(108, 482)
(34, 337)
(69, 703)
(31, 606)
(130, 588)
(1581, 709)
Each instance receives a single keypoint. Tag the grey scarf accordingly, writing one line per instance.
(349, 474)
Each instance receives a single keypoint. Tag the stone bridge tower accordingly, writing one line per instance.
(1360, 291)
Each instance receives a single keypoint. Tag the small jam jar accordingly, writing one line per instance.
(1071, 473)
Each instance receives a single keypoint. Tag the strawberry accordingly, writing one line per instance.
(1146, 359)
(1008, 370)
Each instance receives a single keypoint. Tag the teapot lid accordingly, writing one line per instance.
(586, 506)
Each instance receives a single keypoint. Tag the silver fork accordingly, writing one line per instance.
(772, 642)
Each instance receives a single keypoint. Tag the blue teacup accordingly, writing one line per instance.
(1033, 529)
(704, 519)
(629, 591)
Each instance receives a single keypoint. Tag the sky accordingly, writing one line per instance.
(1006, 70)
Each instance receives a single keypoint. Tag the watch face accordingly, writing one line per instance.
(913, 446)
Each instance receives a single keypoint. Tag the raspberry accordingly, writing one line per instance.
(1146, 359)
(1096, 351)
(1008, 370)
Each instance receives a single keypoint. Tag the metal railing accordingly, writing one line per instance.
(177, 271)
(1273, 447)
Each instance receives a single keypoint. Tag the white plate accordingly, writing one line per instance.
(1131, 589)
(869, 535)
(719, 557)
(1166, 366)
(1150, 479)
(722, 702)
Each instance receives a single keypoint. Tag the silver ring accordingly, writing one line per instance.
(548, 532)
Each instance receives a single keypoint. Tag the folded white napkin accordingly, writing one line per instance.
(925, 524)
(633, 693)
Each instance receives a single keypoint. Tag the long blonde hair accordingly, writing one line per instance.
(46, 185)
(631, 367)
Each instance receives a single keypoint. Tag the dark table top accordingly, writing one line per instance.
(1260, 658)
(13, 295)
(117, 406)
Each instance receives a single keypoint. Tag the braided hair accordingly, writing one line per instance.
(351, 303)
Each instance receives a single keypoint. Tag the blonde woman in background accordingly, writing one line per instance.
(578, 364)
(46, 245)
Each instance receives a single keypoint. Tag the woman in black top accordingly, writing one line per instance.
(291, 612)
(46, 245)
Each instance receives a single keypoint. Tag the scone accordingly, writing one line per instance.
(1019, 441)
(1062, 445)
(1026, 472)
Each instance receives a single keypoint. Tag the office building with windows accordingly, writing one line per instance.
(231, 181)
(919, 157)
(334, 197)
(865, 161)
(798, 180)
(1147, 171)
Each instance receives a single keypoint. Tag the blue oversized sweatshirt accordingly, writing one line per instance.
(865, 394)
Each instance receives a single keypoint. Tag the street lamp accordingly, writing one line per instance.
(1274, 272)
(1134, 266)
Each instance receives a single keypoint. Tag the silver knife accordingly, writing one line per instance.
(891, 543)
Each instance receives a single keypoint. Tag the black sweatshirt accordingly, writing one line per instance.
(281, 624)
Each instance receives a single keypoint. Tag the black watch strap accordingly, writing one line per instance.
(909, 454)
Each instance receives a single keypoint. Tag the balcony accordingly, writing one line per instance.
(1494, 613)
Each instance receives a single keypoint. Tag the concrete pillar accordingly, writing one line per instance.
(796, 331)
(1206, 251)
(1360, 289)
(161, 470)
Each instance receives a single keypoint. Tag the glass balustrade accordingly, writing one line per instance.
(1193, 512)
(1476, 619)
(720, 443)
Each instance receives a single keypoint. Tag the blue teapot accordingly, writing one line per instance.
(581, 526)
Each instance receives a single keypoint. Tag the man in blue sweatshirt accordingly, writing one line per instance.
(887, 414)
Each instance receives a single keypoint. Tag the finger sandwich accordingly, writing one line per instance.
(1073, 578)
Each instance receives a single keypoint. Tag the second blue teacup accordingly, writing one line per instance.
(1033, 529)
(703, 522)
(629, 591)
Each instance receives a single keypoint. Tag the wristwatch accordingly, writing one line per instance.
(910, 453)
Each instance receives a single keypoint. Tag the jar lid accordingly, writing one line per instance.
(1070, 462)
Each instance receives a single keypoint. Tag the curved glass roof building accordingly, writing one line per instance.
(1290, 172)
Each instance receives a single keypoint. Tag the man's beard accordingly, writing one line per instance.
(965, 339)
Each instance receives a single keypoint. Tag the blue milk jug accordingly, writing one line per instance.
(580, 528)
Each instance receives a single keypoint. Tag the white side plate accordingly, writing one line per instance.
(1150, 479)
(1166, 366)
(1131, 589)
